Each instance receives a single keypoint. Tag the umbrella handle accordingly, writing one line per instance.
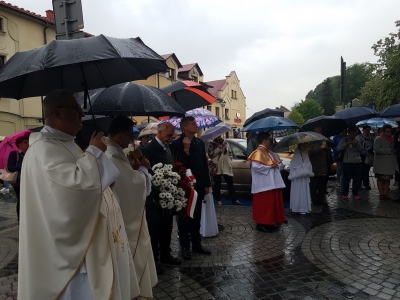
(86, 97)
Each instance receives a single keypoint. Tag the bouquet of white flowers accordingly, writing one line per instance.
(165, 186)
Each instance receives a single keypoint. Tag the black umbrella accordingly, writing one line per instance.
(263, 114)
(330, 125)
(189, 94)
(78, 65)
(88, 127)
(130, 99)
(352, 115)
(392, 111)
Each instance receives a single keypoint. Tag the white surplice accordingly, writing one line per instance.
(67, 246)
(132, 188)
(300, 173)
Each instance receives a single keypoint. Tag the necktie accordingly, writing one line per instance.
(168, 151)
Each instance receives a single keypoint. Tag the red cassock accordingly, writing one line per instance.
(268, 207)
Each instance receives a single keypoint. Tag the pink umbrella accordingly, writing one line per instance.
(8, 145)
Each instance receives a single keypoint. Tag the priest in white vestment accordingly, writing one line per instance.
(72, 239)
(300, 173)
(132, 188)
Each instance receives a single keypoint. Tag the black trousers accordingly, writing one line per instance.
(317, 189)
(17, 191)
(365, 175)
(217, 187)
(188, 228)
(160, 229)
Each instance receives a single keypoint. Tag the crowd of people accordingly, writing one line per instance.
(89, 219)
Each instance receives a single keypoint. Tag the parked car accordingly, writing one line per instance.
(241, 167)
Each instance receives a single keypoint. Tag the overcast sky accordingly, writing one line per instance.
(279, 49)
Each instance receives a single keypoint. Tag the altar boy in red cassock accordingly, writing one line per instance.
(267, 185)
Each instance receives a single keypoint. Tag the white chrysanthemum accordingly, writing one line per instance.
(177, 202)
(184, 204)
(156, 183)
(182, 192)
(170, 205)
(162, 202)
(175, 181)
(163, 205)
(178, 208)
(162, 195)
(157, 166)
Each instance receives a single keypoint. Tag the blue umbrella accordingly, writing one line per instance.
(135, 130)
(376, 123)
(392, 111)
(353, 115)
(213, 132)
(270, 124)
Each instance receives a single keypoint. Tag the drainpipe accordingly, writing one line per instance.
(44, 32)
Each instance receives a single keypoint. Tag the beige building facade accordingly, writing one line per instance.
(231, 102)
(21, 30)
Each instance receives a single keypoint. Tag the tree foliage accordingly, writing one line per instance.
(384, 88)
(328, 103)
(296, 117)
(309, 109)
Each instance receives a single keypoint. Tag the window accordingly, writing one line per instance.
(226, 114)
(172, 74)
(195, 79)
(217, 111)
(237, 152)
(209, 108)
(1, 25)
(233, 94)
(2, 60)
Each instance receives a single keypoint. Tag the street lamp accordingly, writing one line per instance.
(222, 102)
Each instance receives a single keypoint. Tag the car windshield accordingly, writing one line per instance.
(242, 143)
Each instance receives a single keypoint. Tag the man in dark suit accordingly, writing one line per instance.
(193, 154)
(160, 222)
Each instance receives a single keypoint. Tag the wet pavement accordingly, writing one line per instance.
(342, 250)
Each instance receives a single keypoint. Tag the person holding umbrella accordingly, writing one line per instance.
(351, 163)
(221, 155)
(367, 141)
(385, 163)
(267, 185)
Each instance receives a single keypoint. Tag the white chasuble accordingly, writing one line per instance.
(131, 191)
(64, 225)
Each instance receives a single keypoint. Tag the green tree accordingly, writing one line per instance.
(328, 103)
(356, 77)
(309, 109)
(388, 68)
(296, 117)
(371, 93)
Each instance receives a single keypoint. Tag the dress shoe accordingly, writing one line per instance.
(186, 253)
(237, 202)
(200, 249)
(159, 268)
(263, 228)
(170, 260)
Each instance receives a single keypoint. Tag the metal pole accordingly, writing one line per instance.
(66, 20)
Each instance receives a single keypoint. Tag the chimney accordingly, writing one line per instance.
(50, 15)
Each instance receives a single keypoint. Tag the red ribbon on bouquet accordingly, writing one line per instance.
(190, 180)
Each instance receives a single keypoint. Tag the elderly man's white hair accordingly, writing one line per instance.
(165, 126)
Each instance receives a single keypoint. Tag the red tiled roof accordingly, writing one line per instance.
(217, 85)
(24, 11)
(32, 14)
(166, 56)
(188, 67)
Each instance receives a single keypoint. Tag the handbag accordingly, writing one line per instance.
(8, 176)
(212, 168)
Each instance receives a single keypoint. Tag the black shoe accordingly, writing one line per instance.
(264, 228)
(186, 253)
(200, 249)
(159, 268)
(170, 260)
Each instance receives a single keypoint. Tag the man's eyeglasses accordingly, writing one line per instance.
(77, 108)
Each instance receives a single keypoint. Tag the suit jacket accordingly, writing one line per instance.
(155, 153)
(196, 161)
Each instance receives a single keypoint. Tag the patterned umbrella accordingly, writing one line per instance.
(271, 124)
(376, 123)
(290, 142)
(213, 132)
(204, 118)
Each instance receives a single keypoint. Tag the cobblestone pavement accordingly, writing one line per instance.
(342, 250)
